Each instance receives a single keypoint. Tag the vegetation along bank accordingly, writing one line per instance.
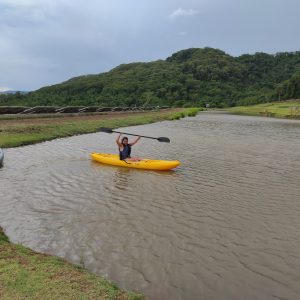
(282, 109)
(24, 130)
(25, 274)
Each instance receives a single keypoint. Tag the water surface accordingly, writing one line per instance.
(224, 225)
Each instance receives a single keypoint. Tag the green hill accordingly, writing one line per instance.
(191, 77)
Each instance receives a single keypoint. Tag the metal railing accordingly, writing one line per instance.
(72, 109)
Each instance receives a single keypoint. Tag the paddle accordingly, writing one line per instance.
(160, 139)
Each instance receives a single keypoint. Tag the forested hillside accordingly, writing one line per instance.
(192, 77)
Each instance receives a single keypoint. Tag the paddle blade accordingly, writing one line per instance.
(105, 129)
(163, 139)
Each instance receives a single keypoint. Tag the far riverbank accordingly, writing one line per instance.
(289, 109)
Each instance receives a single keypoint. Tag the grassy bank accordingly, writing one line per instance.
(25, 274)
(19, 131)
(284, 109)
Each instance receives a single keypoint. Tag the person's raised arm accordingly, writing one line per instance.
(118, 140)
(131, 144)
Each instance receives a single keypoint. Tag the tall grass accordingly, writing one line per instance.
(190, 112)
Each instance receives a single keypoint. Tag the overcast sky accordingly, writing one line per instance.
(43, 42)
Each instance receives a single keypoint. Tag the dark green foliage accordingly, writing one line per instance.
(289, 89)
(192, 77)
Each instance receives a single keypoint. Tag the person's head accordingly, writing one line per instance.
(125, 140)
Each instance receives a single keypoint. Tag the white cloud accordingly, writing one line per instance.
(180, 12)
(17, 4)
(47, 41)
(4, 89)
(25, 3)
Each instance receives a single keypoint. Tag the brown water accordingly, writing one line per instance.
(224, 225)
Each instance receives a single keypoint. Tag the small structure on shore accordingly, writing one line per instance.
(1, 157)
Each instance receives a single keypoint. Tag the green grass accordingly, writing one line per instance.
(25, 274)
(282, 109)
(18, 134)
(190, 112)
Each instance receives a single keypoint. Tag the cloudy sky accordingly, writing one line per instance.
(43, 42)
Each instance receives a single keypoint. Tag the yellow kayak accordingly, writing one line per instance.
(148, 164)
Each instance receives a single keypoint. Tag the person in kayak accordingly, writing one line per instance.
(125, 148)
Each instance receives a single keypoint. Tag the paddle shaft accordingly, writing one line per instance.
(148, 137)
(160, 139)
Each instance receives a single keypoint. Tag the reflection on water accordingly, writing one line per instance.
(224, 225)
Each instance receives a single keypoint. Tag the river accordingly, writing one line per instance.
(223, 225)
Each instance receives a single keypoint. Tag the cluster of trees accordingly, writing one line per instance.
(191, 77)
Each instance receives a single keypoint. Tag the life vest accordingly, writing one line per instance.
(125, 153)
